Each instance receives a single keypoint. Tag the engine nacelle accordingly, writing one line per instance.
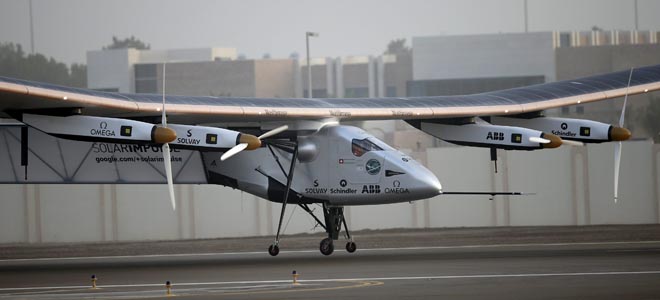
(570, 129)
(116, 130)
(100, 129)
(492, 136)
(204, 138)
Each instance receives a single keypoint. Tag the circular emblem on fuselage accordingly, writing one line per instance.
(373, 166)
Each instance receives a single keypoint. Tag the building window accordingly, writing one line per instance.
(565, 110)
(565, 39)
(390, 91)
(145, 71)
(149, 86)
(111, 90)
(357, 92)
(579, 110)
(146, 78)
(316, 93)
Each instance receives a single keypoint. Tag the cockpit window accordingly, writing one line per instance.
(360, 147)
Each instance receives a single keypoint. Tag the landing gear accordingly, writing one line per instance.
(333, 215)
(327, 246)
(334, 219)
(274, 250)
(351, 247)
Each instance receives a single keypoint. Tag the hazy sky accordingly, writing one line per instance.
(66, 29)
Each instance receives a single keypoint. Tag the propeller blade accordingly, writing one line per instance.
(242, 146)
(273, 132)
(535, 139)
(573, 143)
(617, 147)
(166, 150)
(168, 173)
(233, 151)
(162, 110)
(617, 163)
(625, 100)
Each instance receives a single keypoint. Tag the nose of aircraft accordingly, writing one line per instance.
(421, 181)
(427, 184)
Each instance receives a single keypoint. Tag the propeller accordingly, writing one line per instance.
(617, 146)
(547, 140)
(573, 143)
(166, 150)
(251, 141)
(540, 140)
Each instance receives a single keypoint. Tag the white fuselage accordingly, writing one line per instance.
(340, 165)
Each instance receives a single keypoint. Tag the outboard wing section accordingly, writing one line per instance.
(22, 95)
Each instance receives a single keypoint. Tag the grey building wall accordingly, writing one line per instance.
(217, 78)
(488, 55)
(111, 70)
(320, 78)
(356, 80)
(239, 78)
(396, 76)
(274, 78)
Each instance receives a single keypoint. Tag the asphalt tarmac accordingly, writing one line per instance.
(626, 269)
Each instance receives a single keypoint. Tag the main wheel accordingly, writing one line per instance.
(273, 250)
(351, 247)
(327, 246)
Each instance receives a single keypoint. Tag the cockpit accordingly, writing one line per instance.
(360, 147)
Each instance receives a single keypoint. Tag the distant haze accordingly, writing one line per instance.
(66, 29)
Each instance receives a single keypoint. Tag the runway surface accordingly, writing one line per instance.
(557, 270)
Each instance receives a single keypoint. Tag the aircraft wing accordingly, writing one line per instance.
(24, 95)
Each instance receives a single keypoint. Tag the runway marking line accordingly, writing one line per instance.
(312, 251)
(367, 279)
(189, 292)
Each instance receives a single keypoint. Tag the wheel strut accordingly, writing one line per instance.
(274, 249)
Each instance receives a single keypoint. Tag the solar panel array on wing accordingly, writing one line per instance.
(513, 96)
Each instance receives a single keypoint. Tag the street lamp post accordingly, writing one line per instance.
(309, 65)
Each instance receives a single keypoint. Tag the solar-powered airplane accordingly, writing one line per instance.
(292, 151)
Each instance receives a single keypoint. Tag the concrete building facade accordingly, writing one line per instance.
(113, 70)
(356, 76)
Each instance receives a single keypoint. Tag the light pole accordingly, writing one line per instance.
(31, 28)
(309, 66)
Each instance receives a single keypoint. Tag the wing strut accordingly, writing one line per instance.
(24, 149)
(493, 157)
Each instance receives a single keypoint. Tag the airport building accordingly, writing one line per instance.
(357, 76)
(218, 72)
(114, 70)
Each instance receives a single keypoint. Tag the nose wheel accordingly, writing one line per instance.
(351, 247)
(273, 250)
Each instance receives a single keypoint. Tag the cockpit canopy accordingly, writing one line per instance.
(360, 147)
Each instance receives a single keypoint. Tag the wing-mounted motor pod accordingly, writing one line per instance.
(482, 134)
(210, 138)
(100, 129)
(585, 131)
